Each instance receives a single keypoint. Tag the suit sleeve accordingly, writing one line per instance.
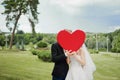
(55, 57)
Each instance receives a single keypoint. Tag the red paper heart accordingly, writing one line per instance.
(71, 41)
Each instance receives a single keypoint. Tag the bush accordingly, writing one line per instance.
(93, 51)
(42, 45)
(33, 40)
(35, 52)
(113, 50)
(102, 49)
(39, 37)
(26, 39)
(2, 42)
(96, 51)
(44, 55)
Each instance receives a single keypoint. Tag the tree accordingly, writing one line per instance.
(2, 41)
(15, 8)
(114, 40)
(20, 32)
(116, 44)
(33, 15)
(27, 38)
(32, 23)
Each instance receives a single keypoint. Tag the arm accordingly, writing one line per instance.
(55, 57)
(68, 60)
(80, 57)
(68, 54)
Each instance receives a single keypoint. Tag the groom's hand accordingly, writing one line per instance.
(68, 53)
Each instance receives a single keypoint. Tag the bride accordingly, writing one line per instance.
(81, 66)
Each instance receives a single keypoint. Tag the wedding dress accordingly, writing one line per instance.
(77, 71)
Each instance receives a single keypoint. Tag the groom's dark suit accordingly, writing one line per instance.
(58, 57)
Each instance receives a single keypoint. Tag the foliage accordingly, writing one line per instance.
(45, 55)
(42, 54)
(19, 40)
(93, 51)
(22, 46)
(103, 39)
(20, 32)
(49, 38)
(113, 40)
(102, 49)
(35, 52)
(15, 8)
(42, 44)
(116, 43)
(33, 40)
(90, 42)
(39, 37)
(27, 38)
(2, 40)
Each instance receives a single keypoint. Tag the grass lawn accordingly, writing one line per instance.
(22, 65)
(108, 66)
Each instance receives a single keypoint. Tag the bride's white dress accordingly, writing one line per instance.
(76, 71)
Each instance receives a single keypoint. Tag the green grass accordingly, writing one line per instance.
(108, 66)
(22, 65)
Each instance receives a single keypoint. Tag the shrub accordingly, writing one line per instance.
(102, 49)
(33, 40)
(2, 42)
(42, 45)
(39, 37)
(96, 51)
(35, 52)
(44, 55)
(93, 51)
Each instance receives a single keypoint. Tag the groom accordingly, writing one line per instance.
(59, 58)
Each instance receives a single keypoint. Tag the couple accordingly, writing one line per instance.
(72, 65)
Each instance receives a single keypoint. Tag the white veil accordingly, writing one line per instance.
(90, 67)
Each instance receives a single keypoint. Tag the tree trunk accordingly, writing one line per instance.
(12, 36)
(32, 26)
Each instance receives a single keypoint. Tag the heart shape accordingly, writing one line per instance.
(71, 41)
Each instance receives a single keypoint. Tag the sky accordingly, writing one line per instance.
(87, 15)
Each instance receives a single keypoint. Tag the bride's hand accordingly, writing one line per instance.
(74, 54)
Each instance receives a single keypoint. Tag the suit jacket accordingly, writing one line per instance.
(59, 58)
